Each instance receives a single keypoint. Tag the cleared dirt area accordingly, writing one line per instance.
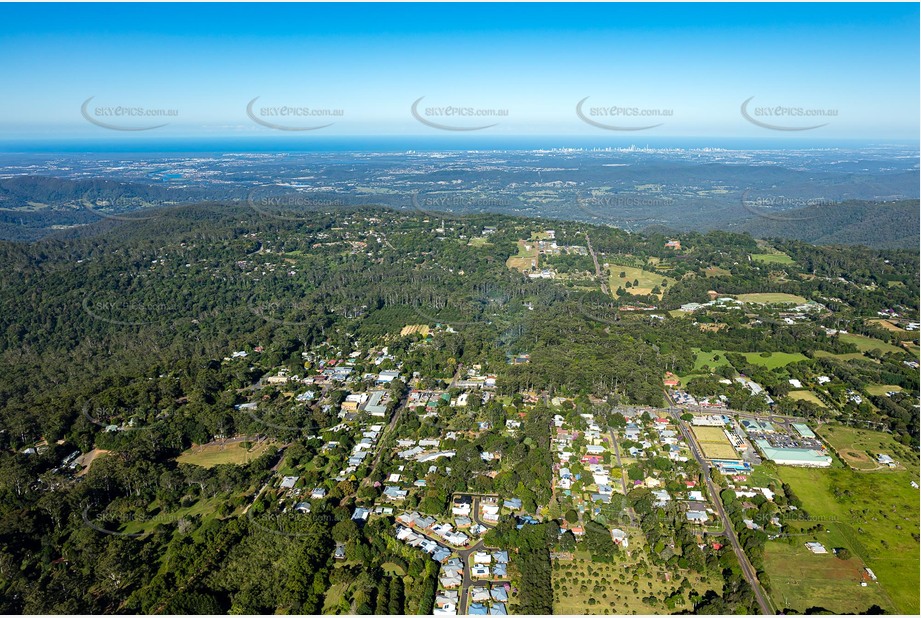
(87, 460)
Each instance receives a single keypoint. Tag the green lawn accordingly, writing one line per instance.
(799, 579)
(776, 359)
(214, 454)
(772, 258)
(647, 280)
(763, 475)
(771, 298)
(806, 396)
(714, 359)
(844, 357)
(859, 447)
(716, 271)
(881, 389)
(876, 513)
(204, 508)
(865, 344)
(526, 258)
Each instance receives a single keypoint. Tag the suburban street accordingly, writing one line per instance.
(747, 569)
(464, 554)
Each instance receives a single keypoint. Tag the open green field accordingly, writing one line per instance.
(647, 280)
(876, 513)
(858, 448)
(619, 588)
(717, 358)
(772, 258)
(714, 443)
(215, 454)
(713, 359)
(800, 579)
(844, 357)
(771, 298)
(205, 508)
(716, 271)
(333, 602)
(865, 344)
(887, 325)
(776, 359)
(806, 396)
(526, 258)
(881, 389)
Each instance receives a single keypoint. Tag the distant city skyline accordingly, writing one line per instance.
(616, 73)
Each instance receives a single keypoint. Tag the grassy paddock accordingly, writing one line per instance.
(881, 389)
(647, 280)
(865, 344)
(527, 256)
(215, 454)
(776, 359)
(771, 298)
(858, 447)
(876, 513)
(800, 579)
(773, 258)
(806, 396)
(714, 443)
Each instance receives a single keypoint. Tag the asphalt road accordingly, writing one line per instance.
(604, 285)
(623, 474)
(464, 555)
(747, 569)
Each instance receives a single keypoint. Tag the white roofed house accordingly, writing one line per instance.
(461, 510)
(392, 492)
(697, 517)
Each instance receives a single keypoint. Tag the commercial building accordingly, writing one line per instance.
(794, 456)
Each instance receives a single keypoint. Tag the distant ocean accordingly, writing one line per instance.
(403, 144)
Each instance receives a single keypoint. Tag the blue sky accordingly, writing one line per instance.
(693, 65)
